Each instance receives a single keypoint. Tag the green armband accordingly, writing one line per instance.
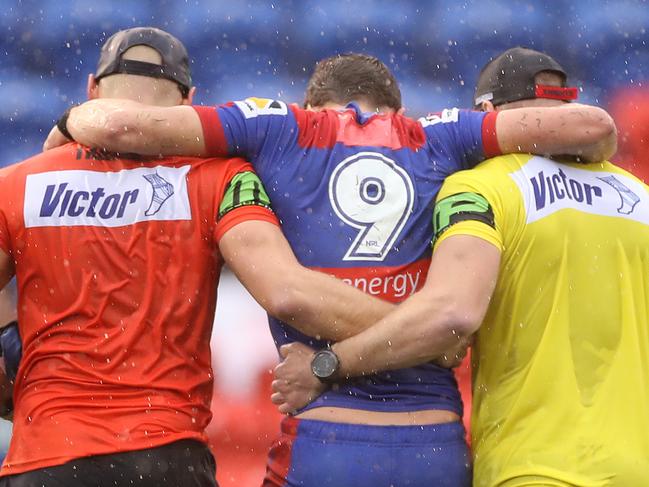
(461, 207)
(243, 190)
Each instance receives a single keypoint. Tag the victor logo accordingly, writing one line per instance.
(111, 199)
(548, 187)
(557, 186)
(58, 199)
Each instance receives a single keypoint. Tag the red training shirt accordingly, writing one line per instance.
(117, 268)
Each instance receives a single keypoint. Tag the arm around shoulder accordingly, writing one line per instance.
(127, 126)
(572, 129)
(314, 303)
(450, 307)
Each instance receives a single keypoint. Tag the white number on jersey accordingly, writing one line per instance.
(370, 192)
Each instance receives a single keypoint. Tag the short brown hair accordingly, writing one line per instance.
(347, 77)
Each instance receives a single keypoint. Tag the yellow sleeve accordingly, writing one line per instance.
(468, 204)
(476, 229)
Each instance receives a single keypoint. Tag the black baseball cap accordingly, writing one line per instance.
(511, 77)
(175, 60)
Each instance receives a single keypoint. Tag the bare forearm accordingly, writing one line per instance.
(578, 130)
(326, 308)
(417, 332)
(128, 126)
(312, 302)
(448, 309)
(104, 124)
(595, 134)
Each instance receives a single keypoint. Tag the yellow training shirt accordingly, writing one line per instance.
(561, 362)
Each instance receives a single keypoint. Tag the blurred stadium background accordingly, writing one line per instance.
(268, 49)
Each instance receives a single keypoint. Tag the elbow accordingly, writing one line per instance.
(602, 136)
(112, 130)
(284, 303)
(603, 121)
(461, 321)
(608, 144)
(450, 324)
(120, 133)
(604, 129)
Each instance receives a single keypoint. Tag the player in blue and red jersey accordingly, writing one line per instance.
(117, 261)
(354, 185)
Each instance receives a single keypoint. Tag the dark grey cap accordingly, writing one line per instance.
(175, 60)
(511, 77)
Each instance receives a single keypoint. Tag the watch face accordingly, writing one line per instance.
(324, 364)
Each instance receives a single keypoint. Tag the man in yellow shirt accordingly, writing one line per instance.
(548, 264)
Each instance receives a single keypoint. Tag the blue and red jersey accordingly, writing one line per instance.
(355, 193)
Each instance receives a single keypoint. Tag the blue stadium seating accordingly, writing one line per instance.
(268, 48)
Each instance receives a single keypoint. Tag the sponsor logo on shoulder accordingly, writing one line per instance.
(253, 107)
(548, 187)
(448, 115)
(109, 199)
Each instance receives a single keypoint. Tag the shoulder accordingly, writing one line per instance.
(463, 134)
(9, 171)
(253, 107)
(503, 164)
(494, 168)
(617, 177)
(211, 170)
(489, 177)
(450, 117)
(318, 129)
(327, 116)
(236, 164)
(614, 168)
(40, 162)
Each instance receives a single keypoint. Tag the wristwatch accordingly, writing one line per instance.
(325, 365)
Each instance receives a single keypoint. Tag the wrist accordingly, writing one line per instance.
(62, 123)
(325, 366)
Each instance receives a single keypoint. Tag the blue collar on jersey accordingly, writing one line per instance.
(361, 117)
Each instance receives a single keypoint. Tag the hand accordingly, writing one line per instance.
(55, 139)
(295, 386)
(454, 356)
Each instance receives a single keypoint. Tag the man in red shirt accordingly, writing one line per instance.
(117, 260)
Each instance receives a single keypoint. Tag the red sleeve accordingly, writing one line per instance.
(489, 136)
(231, 168)
(243, 214)
(215, 143)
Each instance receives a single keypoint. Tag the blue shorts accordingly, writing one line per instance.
(322, 454)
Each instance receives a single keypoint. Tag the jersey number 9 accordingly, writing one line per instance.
(371, 193)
